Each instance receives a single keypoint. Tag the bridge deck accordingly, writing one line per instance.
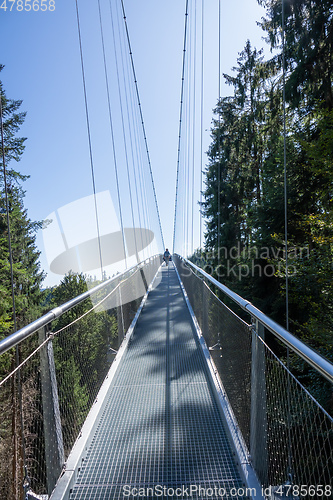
(161, 426)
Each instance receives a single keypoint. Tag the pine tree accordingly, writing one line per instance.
(247, 150)
(81, 352)
(27, 278)
(26, 268)
(309, 48)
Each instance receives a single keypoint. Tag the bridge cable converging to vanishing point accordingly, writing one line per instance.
(123, 126)
(180, 125)
(290, 460)
(132, 119)
(142, 121)
(285, 162)
(201, 122)
(240, 422)
(194, 128)
(17, 358)
(112, 132)
(219, 137)
(89, 136)
(142, 197)
(133, 127)
(187, 230)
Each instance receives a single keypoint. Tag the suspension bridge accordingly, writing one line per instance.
(159, 382)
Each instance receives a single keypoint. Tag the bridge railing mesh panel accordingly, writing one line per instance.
(292, 438)
(62, 367)
(229, 340)
(288, 434)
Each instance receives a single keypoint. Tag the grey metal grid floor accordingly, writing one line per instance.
(161, 427)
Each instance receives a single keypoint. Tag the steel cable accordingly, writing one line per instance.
(180, 124)
(89, 135)
(123, 124)
(201, 118)
(112, 131)
(17, 359)
(142, 121)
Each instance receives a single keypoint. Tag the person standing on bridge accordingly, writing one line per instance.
(166, 257)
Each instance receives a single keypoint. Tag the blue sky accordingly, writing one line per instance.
(40, 52)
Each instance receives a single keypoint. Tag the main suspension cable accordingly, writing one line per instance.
(201, 118)
(194, 128)
(285, 165)
(219, 140)
(112, 132)
(123, 128)
(7, 213)
(290, 453)
(89, 135)
(131, 120)
(17, 357)
(180, 124)
(142, 121)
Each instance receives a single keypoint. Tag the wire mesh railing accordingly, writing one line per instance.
(51, 378)
(289, 436)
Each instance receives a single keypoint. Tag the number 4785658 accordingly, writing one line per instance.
(27, 5)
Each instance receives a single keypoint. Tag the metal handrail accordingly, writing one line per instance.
(25, 332)
(321, 364)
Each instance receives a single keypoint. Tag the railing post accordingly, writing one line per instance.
(205, 311)
(258, 424)
(120, 317)
(54, 446)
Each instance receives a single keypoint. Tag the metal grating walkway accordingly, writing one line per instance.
(161, 430)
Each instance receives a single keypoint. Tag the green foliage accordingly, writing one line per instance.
(245, 175)
(81, 352)
(308, 48)
(14, 146)
(27, 275)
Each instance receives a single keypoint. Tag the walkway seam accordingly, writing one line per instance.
(75, 458)
(244, 460)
